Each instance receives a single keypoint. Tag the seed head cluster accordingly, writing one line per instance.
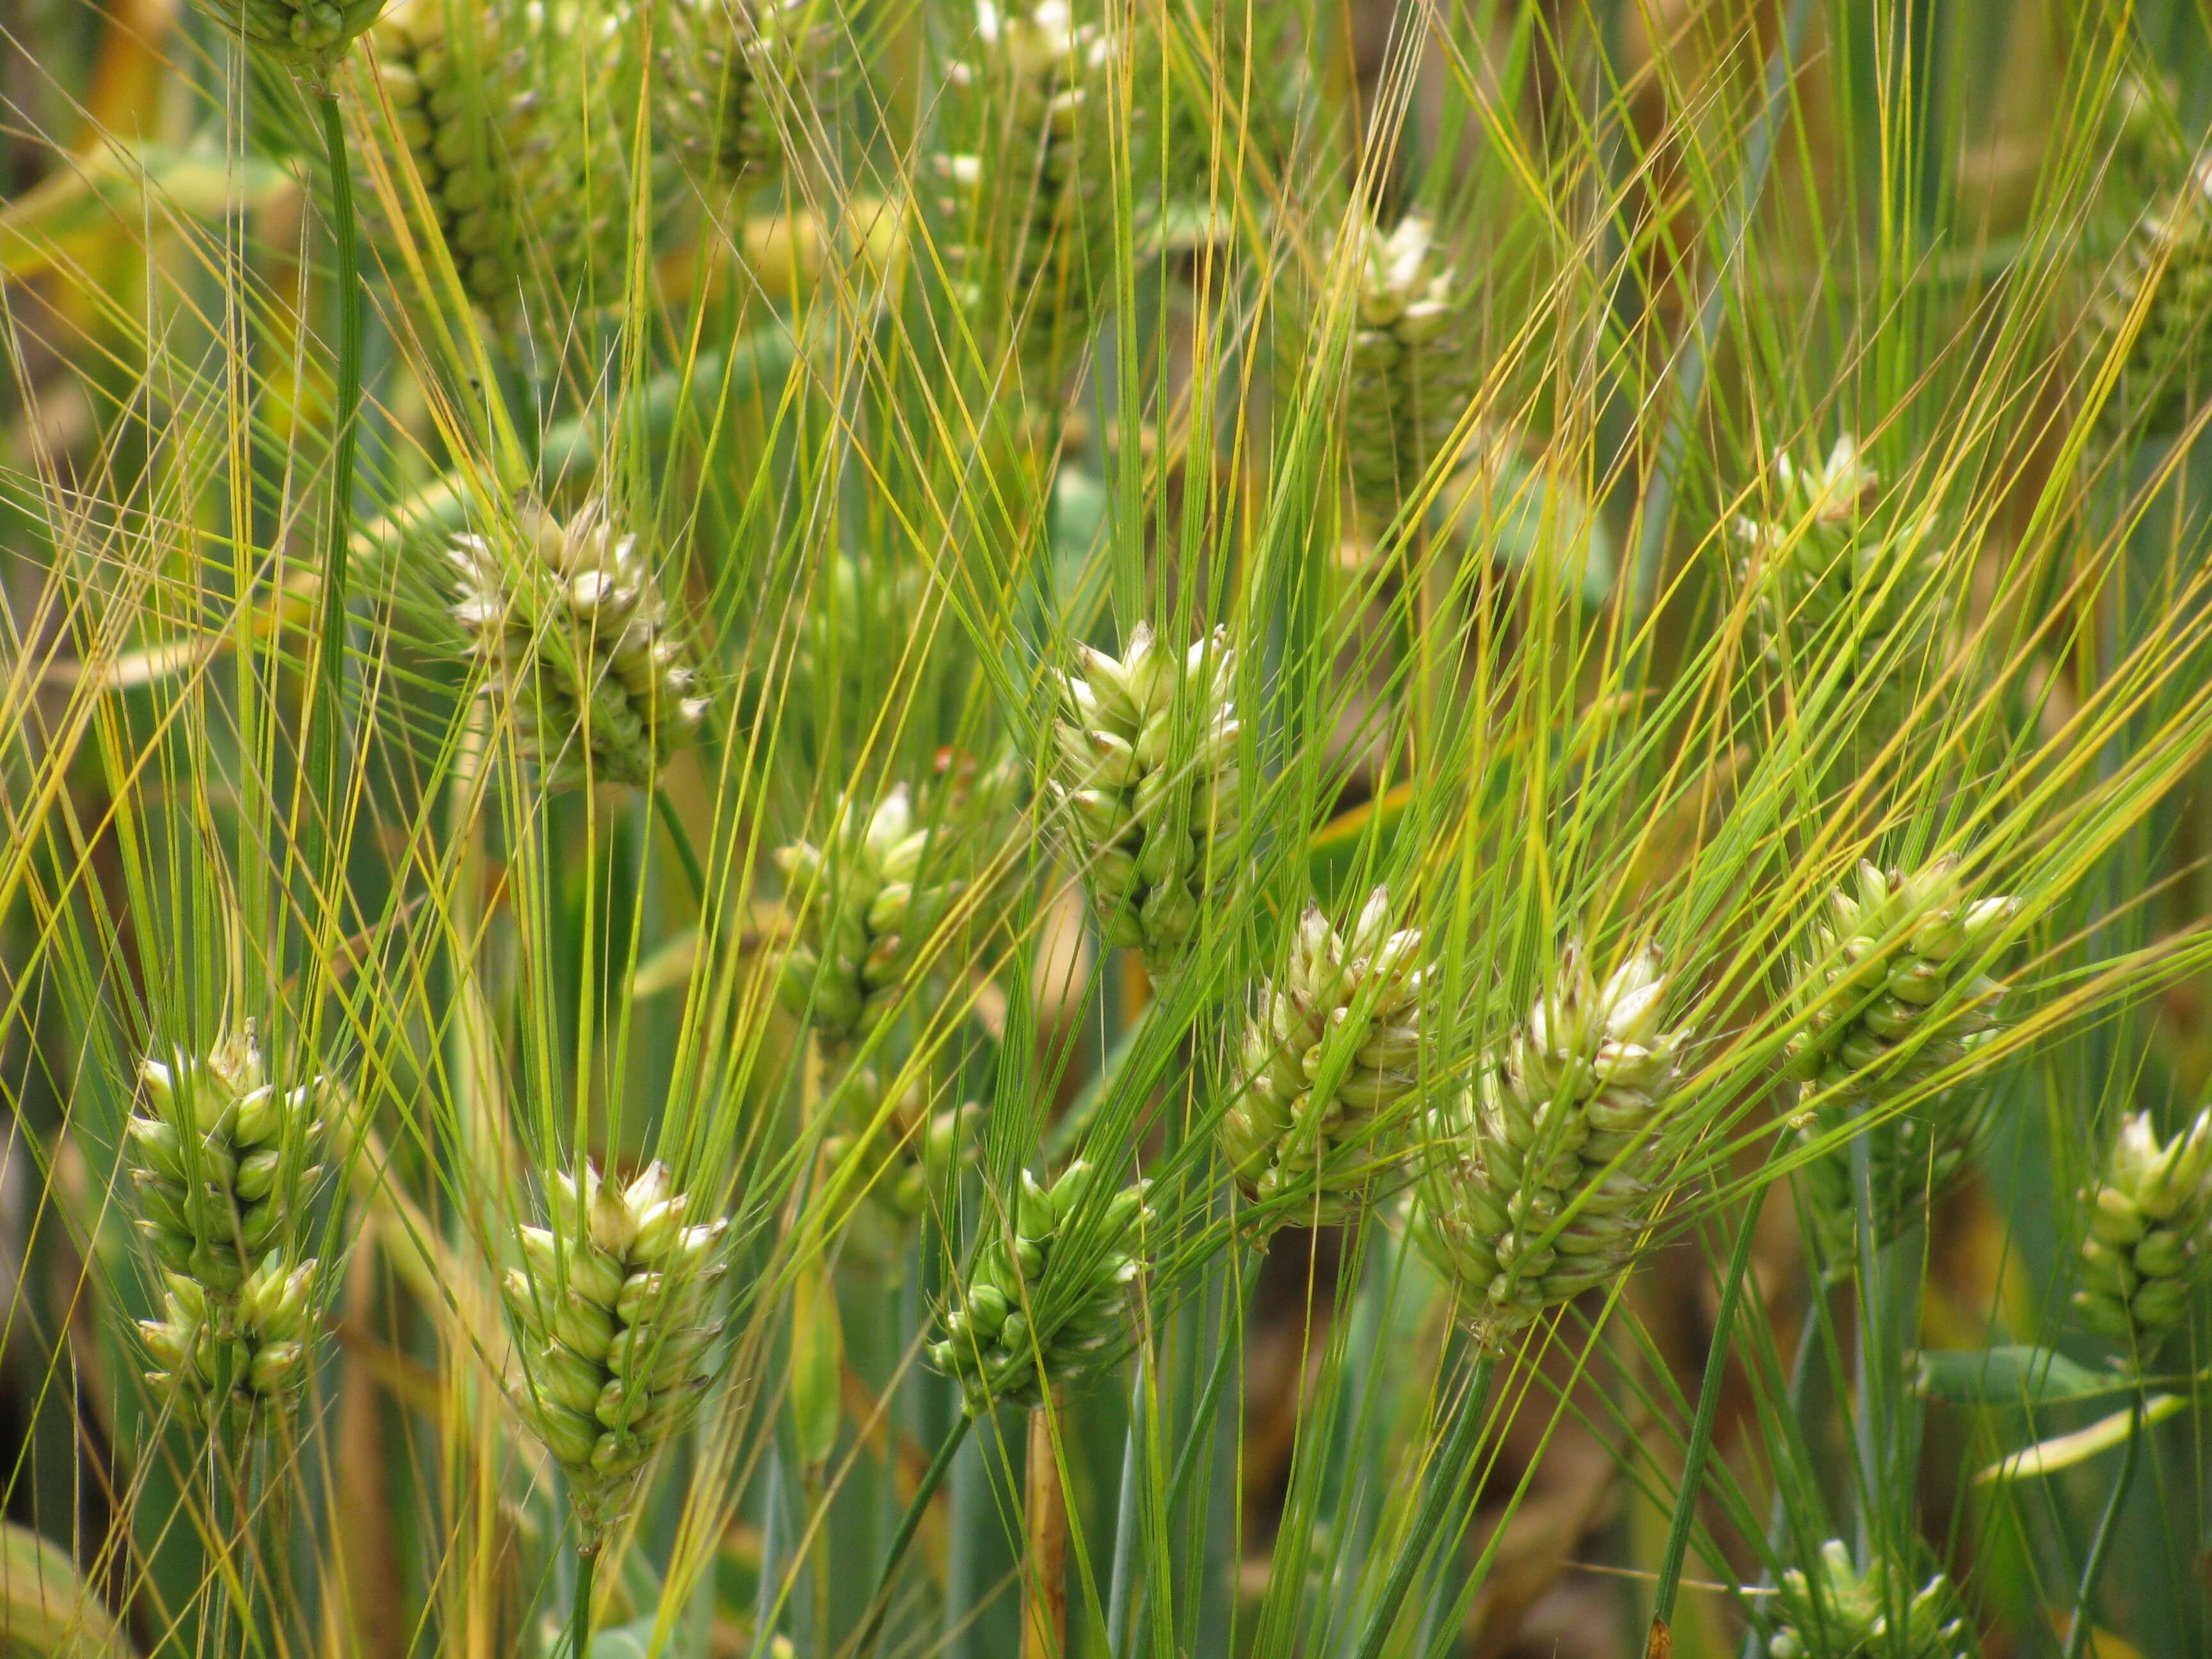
(613, 1313)
(468, 82)
(1832, 583)
(1333, 1047)
(1893, 993)
(2162, 276)
(2150, 1227)
(1835, 1612)
(867, 899)
(1034, 162)
(1045, 1301)
(1408, 381)
(1147, 772)
(569, 625)
(1560, 1125)
(223, 1162)
(311, 34)
(717, 76)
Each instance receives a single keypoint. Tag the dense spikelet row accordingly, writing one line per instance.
(1828, 585)
(1036, 163)
(311, 34)
(2162, 274)
(865, 901)
(613, 1314)
(572, 633)
(223, 1159)
(1892, 993)
(1406, 385)
(2150, 1223)
(1835, 1612)
(1579, 1090)
(1334, 1045)
(1045, 1301)
(494, 146)
(1146, 765)
(721, 60)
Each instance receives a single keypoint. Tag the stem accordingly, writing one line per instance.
(2107, 1527)
(680, 838)
(327, 708)
(1701, 1427)
(1044, 1586)
(1121, 1588)
(1453, 1461)
(910, 1524)
(579, 1614)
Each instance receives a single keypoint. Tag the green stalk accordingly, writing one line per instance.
(910, 1523)
(2108, 1526)
(680, 838)
(579, 1612)
(1454, 1459)
(328, 706)
(1120, 1588)
(1701, 1426)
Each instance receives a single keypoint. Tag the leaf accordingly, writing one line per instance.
(668, 966)
(1333, 853)
(96, 191)
(817, 1362)
(2064, 1450)
(46, 1609)
(2011, 1375)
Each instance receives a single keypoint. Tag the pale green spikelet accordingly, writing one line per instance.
(718, 70)
(573, 634)
(1044, 1301)
(310, 35)
(1829, 577)
(495, 136)
(1834, 1611)
(1147, 774)
(223, 1160)
(869, 900)
(1892, 992)
(617, 1328)
(2163, 274)
(1406, 387)
(1334, 1046)
(1583, 1083)
(1037, 187)
(2150, 1234)
(233, 1358)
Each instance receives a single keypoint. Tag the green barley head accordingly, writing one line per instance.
(1333, 1048)
(2149, 1239)
(1046, 1300)
(574, 638)
(1561, 1125)
(1147, 772)
(1891, 991)
(1833, 1611)
(615, 1317)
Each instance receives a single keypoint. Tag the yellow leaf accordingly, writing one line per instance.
(2063, 1451)
(46, 1609)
